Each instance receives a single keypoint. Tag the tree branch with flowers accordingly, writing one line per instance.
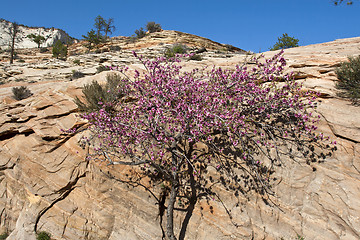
(191, 132)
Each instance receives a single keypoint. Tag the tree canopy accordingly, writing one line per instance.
(38, 39)
(13, 32)
(92, 39)
(285, 42)
(189, 132)
(338, 2)
(153, 27)
(105, 26)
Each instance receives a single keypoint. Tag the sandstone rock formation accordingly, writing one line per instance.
(47, 184)
(157, 40)
(51, 35)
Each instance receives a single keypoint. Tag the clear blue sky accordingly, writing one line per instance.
(251, 25)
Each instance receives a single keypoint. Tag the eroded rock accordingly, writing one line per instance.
(47, 184)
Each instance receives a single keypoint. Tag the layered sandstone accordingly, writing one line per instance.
(46, 182)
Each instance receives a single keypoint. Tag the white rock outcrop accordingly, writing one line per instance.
(51, 35)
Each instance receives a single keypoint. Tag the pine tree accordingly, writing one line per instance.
(38, 39)
(92, 39)
(285, 42)
(59, 50)
(13, 31)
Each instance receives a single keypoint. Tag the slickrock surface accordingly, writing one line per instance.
(158, 39)
(34, 66)
(46, 183)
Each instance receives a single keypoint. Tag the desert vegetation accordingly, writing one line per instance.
(190, 132)
(195, 57)
(43, 236)
(175, 49)
(59, 50)
(21, 92)
(38, 39)
(284, 42)
(153, 27)
(92, 39)
(14, 33)
(349, 79)
(103, 27)
(98, 96)
(101, 68)
(77, 74)
(4, 236)
(140, 33)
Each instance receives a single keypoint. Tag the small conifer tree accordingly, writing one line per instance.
(92, 39)
(140, 33)
(285, 42)
(153, 27)
(59, 50)
(38, 39)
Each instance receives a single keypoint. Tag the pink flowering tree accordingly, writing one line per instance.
(192, 131)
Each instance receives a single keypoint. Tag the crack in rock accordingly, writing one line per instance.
(64, 192)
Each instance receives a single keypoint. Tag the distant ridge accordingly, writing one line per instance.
(51, 35)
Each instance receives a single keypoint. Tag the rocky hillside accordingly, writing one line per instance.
(46, 183)
(50, 34)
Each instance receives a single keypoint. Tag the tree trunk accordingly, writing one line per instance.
(173, 193)
(13, 31)
(12, 47)
(170, 213)
(189, 213)
(193, 197)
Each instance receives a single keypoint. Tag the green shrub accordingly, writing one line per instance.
(44, 50)
(131, 39)
(114, 48)
(153, 27)
(285, 42)
(140, 33)
(59, 50)
(299, 237)
(176, 49)
(348, 74)
(92, 39)
(101, 68)
(21, 60)
(21, 92)
(37, 39)
(195, 57)
(77, 74)
(97, 96)
(43, 236)
(229, 48)
(4, 236)
(76, 61)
